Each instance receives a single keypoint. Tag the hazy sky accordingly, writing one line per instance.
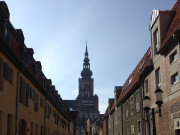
(116, 32)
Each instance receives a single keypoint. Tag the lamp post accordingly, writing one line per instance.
(146, 106)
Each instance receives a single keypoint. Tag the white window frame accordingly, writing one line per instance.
(158, 77)
(173, 78)
(172, 57)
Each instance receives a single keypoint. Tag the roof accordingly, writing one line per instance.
(175, 23)
(71, 104)
(130, 82)
(134, 76)
(108, 109)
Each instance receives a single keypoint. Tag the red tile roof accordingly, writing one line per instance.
(175, 23)
(134, 76)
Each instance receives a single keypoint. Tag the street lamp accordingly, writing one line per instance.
(146, 106)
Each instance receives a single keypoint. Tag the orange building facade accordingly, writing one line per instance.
(29, 103)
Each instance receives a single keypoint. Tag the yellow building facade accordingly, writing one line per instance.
(29, 103)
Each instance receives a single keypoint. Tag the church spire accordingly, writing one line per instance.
(86, 72)
(86, 53)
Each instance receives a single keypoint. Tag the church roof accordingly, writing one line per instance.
(71, 104)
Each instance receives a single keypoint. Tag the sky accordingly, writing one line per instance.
(116, 32)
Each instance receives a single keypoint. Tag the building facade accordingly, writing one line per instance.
(86, 102)
(29, 103)
(158, 68)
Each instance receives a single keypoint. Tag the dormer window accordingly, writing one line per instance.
(7, 34)
(156, 41)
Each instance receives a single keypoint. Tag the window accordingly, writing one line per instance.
(50, 109)
(132, 110)
(137, 97)
(158, 78)
(139, 126)
(9, 124)
(7, 72)
(174, 78)
(137, 101)
(36, 132)
(36, 102)
(27, 94)
(131, 100)
(127, 109)
(173, 57)
(41, 130)
(32, 129)
(146, 86)
(7, 34)
(177, 132)
(41, 102)
(91, 115)
(86, 115)
(131, 105)
(156, 41)
(55, 117)
(31, 93)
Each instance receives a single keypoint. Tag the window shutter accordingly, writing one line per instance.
(6, 71)
(27, 95)
(31, 92)
(35, 102)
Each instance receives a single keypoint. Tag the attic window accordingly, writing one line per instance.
(141, 66)
(7, 34)
(149, 52)
(130, 79)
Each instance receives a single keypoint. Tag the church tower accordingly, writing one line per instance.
(87, 102)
